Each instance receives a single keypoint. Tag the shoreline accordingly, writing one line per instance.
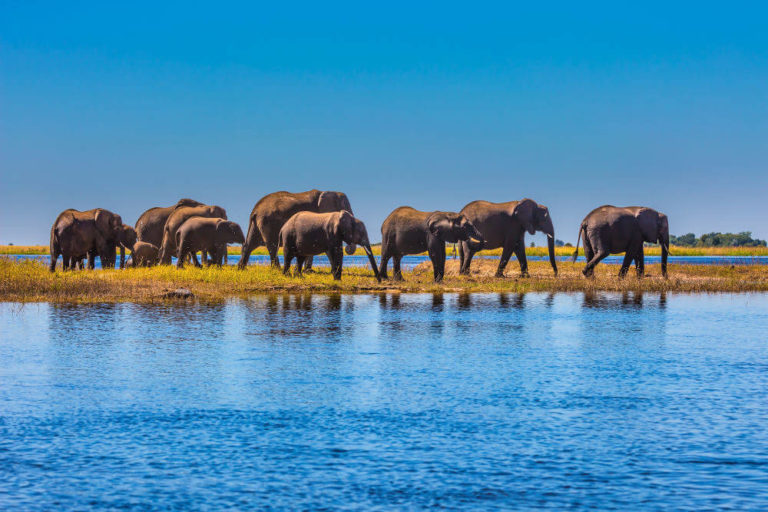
(29, 281)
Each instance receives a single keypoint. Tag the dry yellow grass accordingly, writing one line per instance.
(530, 251)
(29, 281)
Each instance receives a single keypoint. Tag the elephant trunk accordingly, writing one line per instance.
(664, 254)
(551, 250)
(375, 268)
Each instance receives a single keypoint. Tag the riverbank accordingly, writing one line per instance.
(30, 281)
(530, 251)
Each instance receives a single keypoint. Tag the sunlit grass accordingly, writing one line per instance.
(530, 251)
(31, 281)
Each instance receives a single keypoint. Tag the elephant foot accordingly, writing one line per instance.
(524, 275)
(397, 277)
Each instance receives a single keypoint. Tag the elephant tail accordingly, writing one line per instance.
(578, 241)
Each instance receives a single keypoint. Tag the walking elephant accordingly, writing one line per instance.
(504, 225)
(149, 227)
(309, 233)
(178, 217)
(205, 234)
(612, 230)
(99, 229)
(410, 231)
(273, 211)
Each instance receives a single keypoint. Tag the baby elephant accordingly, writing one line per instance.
(308, 234)
(144, 254)
(206, 234)
(409, 231)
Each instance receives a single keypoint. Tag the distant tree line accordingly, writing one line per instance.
(743, 239)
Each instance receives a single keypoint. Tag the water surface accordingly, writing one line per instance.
(481, 401)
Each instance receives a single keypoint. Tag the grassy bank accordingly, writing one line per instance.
(30, 281)
(530, 251)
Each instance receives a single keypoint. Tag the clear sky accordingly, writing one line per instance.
(431, 105)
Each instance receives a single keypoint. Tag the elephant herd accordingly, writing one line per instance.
(310, 223)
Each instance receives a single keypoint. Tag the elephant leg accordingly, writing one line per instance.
(299, 264)
(461, 257)
(384, 263)
(308, 264)
(628, 257)
(396, 274)
(193, 256)
(438, 262)
(273, 259)
(521, 258)
(287, 257)
(92, 260)
(54, 257)
(468, 251)
(640, 263)
(597, 258)
(506, 253)
(338, 257)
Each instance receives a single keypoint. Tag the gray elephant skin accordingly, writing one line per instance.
(144, 254)
(205, 234)
(613, 229)
(86, 233)
(149, 227)
(178, 217)
(272, 211)
(308, 234)
(504, 225)
(410, 231)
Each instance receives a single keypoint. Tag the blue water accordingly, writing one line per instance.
(409, 262)
(476, 402)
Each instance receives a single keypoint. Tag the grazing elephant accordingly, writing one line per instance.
(308, 234)
(126, 239)
(611, 230)
(98, 227)
(274, 210)
(504, 225)
(149, 227)
(144, 254)
(180, 215)
(409, 231)
(206, 234)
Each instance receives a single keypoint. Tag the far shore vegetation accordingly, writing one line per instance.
(30, 281)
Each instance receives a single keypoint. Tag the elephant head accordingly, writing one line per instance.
(109, 224)
(453, 227)
(535, 217)
(330, 201)
(352, 232)
(217, 212)
(228, 232)
(654, 227)
(127, 236)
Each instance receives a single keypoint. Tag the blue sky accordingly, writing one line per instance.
(132, 106)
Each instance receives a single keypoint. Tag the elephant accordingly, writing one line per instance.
(99, 228)
(76, 239)
(206, 234)
(309, 233)
(504, 225)
(180, 215)
(611, 230)
(410, 231)
(144, 254)
(274, 210)
(126, 239)
(149, 227)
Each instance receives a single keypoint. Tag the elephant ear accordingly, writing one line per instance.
(442, 227)
(524, 213)
(103, 221)
(329, 201)
(648, 219)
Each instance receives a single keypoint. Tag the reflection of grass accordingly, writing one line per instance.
(530, 251)
(31, 281)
